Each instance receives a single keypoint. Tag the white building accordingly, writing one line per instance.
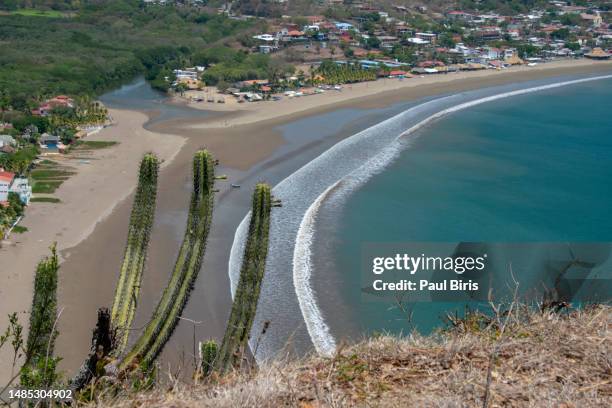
(11, 184)
(265, 37)
(267, 49)
(186, 74)
(431, 37)
(509, 53)
(7, 140)
(344, 26)
(418, 41)
(22, 188)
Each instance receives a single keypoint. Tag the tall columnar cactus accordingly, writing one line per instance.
(44, 307)
(139, 231)
(249, 286)
(188, 263)
(208, 355)
(39, 367)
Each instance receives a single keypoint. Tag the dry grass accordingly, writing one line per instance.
(534, 359)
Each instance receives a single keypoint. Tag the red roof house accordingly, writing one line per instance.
(6, 176)
(430, 64)
(46, 107)
(397, 73)
(6, 179)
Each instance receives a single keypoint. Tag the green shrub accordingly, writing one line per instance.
(208, 354)
(18, 229)
(46, 187)
(45, 200)
(93, 144)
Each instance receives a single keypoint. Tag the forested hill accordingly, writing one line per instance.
(95, 45)
(41, 4)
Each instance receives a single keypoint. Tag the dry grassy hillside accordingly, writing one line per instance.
(521, 359)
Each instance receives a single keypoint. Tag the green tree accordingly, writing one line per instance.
(446, 40)
(372, 43)
(181, 88)
(66, 134)
(574, 46)
(560, 34)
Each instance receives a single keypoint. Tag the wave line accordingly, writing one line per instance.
(320, 334)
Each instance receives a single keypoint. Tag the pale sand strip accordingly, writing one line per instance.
(87, 199)
(259, 111)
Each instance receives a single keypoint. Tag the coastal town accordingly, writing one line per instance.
(362, 41)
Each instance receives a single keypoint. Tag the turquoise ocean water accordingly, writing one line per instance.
(531, 168)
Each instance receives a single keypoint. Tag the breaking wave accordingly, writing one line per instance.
(318, 329)
(329, 179)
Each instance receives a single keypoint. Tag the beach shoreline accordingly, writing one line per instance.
(102, 181)
(360, 93)
(244, 143)
(314, 235)
(235, 128)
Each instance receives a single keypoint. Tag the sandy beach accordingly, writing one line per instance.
(87, 198)
(237, 147)
(374, 91)
(90, 223)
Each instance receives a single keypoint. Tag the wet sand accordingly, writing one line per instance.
(376, 91)
(248, 153)
(103, 181)
(238, 137)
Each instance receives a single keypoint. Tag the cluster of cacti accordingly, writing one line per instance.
(130, 276)
(175, 295)
(208, 355)
(251, 275)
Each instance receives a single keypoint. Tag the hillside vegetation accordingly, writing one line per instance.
(97, 46)
(527, 358)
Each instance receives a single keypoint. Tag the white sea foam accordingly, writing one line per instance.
(302, 255)
(318, 329)
(332, 175)
(237, 252)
